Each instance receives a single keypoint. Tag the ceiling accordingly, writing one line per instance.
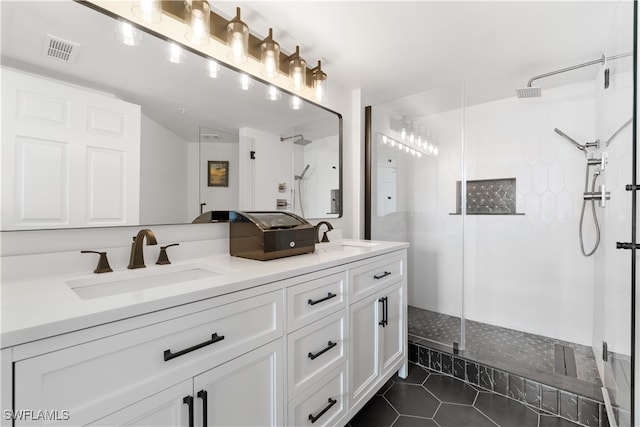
(395, 48)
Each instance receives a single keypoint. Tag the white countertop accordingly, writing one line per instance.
(34, 309)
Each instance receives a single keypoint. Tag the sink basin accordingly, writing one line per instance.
(359, 243)
(137, 280)
(342, 245)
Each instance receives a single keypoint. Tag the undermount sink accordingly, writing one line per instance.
(359, 243)
(343, 244)
(136, 280)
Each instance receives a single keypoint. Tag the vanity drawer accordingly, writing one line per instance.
(325, 404)
(316, 349)
(311, 301)
(369, 278)
(94, 379)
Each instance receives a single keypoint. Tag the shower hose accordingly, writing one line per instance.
(593, 211)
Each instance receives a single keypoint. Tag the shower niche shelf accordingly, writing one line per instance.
(488, 197)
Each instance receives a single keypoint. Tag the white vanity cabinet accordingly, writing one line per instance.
(126, 372)
(378, 325)
(307, 348)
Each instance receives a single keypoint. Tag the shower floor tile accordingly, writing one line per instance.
(529, 355)
(429, 399)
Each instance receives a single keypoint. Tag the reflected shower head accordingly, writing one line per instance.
(529, 92)
(297, 139)
(297, 177)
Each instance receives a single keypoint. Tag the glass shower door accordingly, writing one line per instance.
(415, 169)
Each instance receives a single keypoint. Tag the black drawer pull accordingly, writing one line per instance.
(188, 400)
(329, 296)
(317, 417)
(385, 274)
(214, 339)
(330, 345)
(202, 394)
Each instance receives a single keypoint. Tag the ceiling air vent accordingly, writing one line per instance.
(60, 49)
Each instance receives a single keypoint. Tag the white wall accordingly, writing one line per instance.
(163, 175)
(321, 177)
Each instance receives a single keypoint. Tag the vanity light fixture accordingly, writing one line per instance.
(295, 103)
(176, 54)
(198, 15)
(297, 70)
(127, 34)
(319, 82)
(273, 94)
(238, 39)
(270, 56)
(213, 70)
(147, 10)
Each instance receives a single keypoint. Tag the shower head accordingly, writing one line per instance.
(306, 168)
(297, 139)
(529, 92)
(571, 140)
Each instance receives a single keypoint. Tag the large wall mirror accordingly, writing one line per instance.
(99, 133)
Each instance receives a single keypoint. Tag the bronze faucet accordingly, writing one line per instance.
(136, 260)
(324, 236)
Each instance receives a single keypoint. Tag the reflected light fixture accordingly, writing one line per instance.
(319, 82)
(244, 81)
(127, 34)
(238, 39)
(147, 10)
(213, 70)
(270, 56)
(273, 94)
(198, 15)
(176, 54)
(403, 133)
(295, 103)
(297, 70)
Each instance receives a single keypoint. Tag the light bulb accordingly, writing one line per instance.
(297, 70)
(403, 134)
(244, 81)
(270, 56)
(237, 46)
(199, 22)
(147, 10)
(238, 39)
(297, 78)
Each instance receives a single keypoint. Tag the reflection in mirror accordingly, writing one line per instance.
(102, 133)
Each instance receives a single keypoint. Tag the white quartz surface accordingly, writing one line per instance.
(34, 309)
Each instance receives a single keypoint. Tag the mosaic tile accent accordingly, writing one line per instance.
(488, 196)
(532, 393)
(516, 387)
(568, 406)
(588, 412)
(459, 368)
(550, 399)
(501, 382)
(486, 378)
(472, 373)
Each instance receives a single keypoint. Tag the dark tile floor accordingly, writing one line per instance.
(428, 399)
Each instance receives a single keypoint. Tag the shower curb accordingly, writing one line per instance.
(538, 396)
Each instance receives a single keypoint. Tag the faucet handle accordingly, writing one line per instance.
(163, 258)
(325, 238)
(103, 263)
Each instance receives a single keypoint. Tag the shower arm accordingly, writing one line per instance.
(575, 67)
(627, 123)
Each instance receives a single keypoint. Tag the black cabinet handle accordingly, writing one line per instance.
(168, 355)
(188, 400)
(321, 413)
(385, 312)
(329, 296)
(329, 346)
(202, 394)
(385, 274)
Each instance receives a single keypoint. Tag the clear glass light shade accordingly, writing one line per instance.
(270, 56)
(403, 133)
(213, 69)
(147, 10)
(176, 54)
(273, 94)
(319, 83)
(297, 70)
(198, 21)
(238, 39)
(295, 103)
(128, 34)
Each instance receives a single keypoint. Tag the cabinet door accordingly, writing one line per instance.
(364, 362)
(392, 342)
(247, 391)
(166, 408)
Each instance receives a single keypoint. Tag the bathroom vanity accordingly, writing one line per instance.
(304, 340)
